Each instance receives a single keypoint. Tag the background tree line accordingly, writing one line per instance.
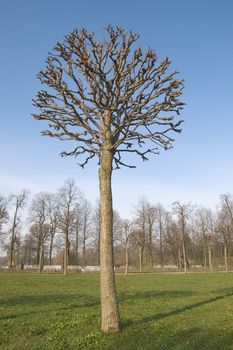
(64, 228)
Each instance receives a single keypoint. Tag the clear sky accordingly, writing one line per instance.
(195, 35)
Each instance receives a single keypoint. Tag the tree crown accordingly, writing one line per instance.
(109, 93)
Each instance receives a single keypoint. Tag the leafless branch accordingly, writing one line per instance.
(87, 77)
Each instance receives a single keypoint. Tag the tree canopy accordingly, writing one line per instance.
(99, 87)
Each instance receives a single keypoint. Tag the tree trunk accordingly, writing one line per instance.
(29, 254)
(66, 253)
(140, 258)
(13, 234)
(38, 252)
(51, 249)
(210, 258)
(126, 259)
(12, 248)
(226, 256)
(110, 320)
(76, 245)
(150, 248)
(84, 250)
(150, 258)
(179, 259)
(221, 254)
(98, 251)
(41, 256)
(184, 257)
(205, 257)
(161, 244)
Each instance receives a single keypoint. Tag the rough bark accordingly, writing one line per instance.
(110, 321)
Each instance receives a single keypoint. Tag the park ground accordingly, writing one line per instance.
(159, 311)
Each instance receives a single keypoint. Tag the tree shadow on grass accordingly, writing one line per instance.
(228, 290)
(177, 311)
(140, 335)
(155, 294)
(60, 303)
(85, 300)
(77, 300)
(191, 338)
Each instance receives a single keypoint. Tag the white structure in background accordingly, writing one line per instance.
(55, 268)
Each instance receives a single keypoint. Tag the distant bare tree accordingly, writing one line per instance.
(18, 201)
(172, 239)
(160, 230)
(3, 214)
(182, 211)
(225, 224)
(86, 222)
(151, 214)
(77, 230)
(227, 205)
(29, 248)
(117, 225)
(140, 232)
(126, 234)
(68, 197)
(204, 225)
(40, 229)
(112, 100)
(53, 213)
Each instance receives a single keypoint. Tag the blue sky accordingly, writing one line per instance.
(195, 35)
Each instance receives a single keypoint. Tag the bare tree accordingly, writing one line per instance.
(126, 233)
(204, 225)
(40, 228)
(151, 216)
(29, 248)
(40, 231)
(68, 196)
(224, 230)
(172, 239)
(117, 225)
(53, 212)
(111, 99)
(86, 217)
(18, 203)
(3, 214)
(182, 211)
(225, 224)
(140, 232)
(77, 231)
(160, 229)
(227, 205)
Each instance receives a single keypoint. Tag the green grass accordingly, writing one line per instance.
(188, 312)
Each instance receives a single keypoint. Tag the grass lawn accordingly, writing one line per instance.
(159, 311)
